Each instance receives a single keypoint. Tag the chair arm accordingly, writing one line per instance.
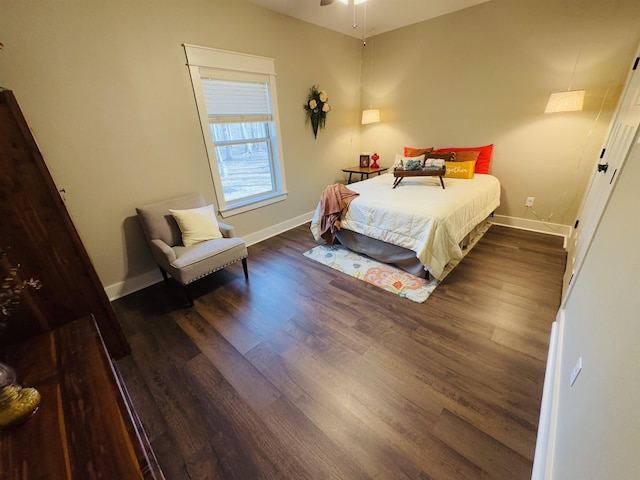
(227, 230)
(162, 251)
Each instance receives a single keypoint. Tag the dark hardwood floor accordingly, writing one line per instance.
(304, 372)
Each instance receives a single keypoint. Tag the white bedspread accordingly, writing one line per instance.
(419, 215)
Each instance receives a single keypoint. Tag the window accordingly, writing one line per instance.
(236, 99)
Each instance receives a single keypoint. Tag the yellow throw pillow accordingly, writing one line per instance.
(460, 169)
(197, 224)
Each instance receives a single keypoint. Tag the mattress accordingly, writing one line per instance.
(419, 214)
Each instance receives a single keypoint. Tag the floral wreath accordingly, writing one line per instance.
(316, 109)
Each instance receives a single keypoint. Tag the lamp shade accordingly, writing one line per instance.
(570, 101)
(370, 116)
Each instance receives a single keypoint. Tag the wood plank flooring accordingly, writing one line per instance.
(304, 372)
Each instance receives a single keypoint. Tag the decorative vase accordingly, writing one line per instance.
(17, 404)
(375, 157)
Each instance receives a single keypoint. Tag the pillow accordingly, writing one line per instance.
(447, 157)
(460, 169)
(484, 158)
(466, 156)
(401, 161)
(197, 224)
(416, 152)
(413, 164)
(434, 162)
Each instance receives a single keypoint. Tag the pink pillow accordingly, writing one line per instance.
(484, 158)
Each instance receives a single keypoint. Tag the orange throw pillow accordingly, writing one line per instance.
(416, 152)
(467, 156)
(484, 158)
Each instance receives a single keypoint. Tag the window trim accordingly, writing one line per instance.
(240, 63)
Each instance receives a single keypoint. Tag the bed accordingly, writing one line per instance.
(417, 226)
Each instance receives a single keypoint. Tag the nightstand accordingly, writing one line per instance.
(363, 171)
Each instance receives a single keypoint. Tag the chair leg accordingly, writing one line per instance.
(164, 275)
(187, 293)
(245, 268)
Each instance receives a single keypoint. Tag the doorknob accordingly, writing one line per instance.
(603, 167)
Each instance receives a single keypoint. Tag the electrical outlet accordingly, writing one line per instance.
(575, 372)
(529, 202)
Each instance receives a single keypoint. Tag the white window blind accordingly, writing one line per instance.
(228, 101)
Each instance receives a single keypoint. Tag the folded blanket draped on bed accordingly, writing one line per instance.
(334, 201)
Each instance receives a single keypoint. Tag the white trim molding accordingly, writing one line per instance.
(547, 424)
(131, 285)
(226, 60)
(277, 229)
(533, 226)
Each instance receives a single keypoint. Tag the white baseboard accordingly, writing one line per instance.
(131, 285)
(146, 279)
(274, 230)
(547, 426)
(533, 225)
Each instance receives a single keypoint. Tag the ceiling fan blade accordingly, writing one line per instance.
(325, 2)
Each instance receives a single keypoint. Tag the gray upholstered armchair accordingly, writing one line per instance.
(187, 264)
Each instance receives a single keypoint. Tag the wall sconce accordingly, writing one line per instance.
(370, 116)
(570, 101)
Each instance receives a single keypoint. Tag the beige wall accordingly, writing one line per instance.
(483, 75)
(105, 89)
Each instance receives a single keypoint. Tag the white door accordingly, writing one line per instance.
(623, 129)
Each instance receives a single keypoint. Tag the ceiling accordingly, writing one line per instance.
(381, 15)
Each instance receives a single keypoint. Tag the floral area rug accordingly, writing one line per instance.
(387, 277)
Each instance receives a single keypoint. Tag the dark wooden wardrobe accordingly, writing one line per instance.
(63, 337)
(37, 233)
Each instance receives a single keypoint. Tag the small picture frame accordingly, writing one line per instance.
(364, 161)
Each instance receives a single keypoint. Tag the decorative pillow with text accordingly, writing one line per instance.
(460, 169)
